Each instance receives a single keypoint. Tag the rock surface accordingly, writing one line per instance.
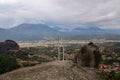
(8, 45)
(56, 70)
(89, 56)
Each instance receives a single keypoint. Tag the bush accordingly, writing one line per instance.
(116, 76)
(7, 63)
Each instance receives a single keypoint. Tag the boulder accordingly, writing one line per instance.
(8, 45)
(89, 56)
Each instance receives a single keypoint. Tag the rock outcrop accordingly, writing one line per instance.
(89, 56)
(7, 46)
(56, 70)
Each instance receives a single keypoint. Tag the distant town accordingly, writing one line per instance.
(65, 42)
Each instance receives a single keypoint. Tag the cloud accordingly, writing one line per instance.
(72, 13)
(8, 1)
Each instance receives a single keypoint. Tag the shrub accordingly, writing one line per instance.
(116, 76)
(7, 63)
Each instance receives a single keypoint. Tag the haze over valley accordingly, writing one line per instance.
(31, 32)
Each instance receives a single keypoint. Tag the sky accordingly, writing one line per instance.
(62, 13)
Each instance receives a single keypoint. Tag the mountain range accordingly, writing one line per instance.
(28, 32)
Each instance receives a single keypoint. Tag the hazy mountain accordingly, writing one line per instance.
(33, 32)
(42, 31)
(89, 30)
(93, 33)
(113, 31)
(28, 32)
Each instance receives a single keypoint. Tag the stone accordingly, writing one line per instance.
(89, 56)
(8, 45)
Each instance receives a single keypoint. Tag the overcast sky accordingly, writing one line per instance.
(64, 13)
